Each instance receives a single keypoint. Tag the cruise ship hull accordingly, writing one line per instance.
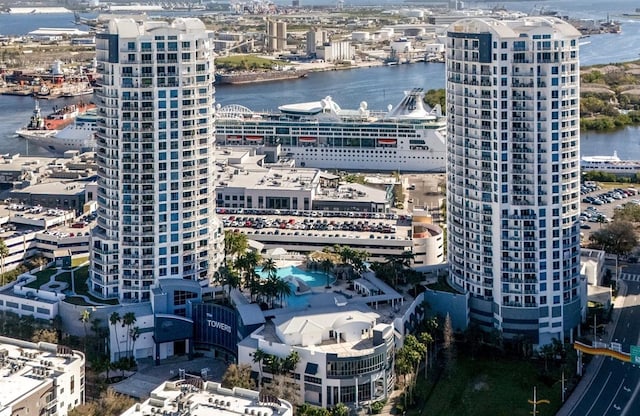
(57, 144)
(373, 156)
(77, 136)
(321, 135)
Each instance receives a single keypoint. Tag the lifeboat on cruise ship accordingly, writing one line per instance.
(307, 139)
(387, 141)
(234, 138)
(254, 138)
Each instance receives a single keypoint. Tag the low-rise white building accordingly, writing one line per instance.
(40, 378)
(346, 354)
(592, 265)
(193, 396)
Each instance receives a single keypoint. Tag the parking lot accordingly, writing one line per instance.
(364, 225)
(599, 205)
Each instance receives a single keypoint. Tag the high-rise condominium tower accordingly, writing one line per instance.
(513, 174)
(156, 206)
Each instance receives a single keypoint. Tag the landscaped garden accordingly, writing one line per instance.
(42, 277)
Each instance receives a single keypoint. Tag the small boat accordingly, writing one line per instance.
(43, 91)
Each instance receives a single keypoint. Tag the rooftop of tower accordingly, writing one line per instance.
(130, 28)
(515, 28)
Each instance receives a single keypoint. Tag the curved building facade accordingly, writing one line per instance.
(513, 174)
(155, 135)
(345, 355)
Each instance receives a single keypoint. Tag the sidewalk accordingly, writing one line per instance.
(594, 366)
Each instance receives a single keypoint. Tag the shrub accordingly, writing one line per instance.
(376, 407)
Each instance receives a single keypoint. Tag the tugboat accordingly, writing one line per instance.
(36, 122)
(54, 122)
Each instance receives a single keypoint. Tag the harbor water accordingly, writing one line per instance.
(380, 87)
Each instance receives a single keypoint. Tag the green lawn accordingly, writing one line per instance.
(77, 300)
(64, 277)
(80, 277)
(442, 286)
(246, 62)
(42, 277)
(489, 388)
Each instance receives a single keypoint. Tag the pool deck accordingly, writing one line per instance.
(389, 304)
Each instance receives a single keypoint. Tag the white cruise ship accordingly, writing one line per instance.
(610, 164)
(80, 135)
(319, 134)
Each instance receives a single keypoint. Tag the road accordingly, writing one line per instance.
(615, 389)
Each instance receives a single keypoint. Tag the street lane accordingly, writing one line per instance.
(615, 390)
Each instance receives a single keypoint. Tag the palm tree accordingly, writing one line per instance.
(426, 339)
(234, 244)
(283, 290)
(134, 334)
(128, 319)
(85, 317)
(398, 263)
(226, 276)
(269, 267)
(249, 261)
(258, 357)
(114, 320)
(327, 266)
(291, 362)
(4, 252)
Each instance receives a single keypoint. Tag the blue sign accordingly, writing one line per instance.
(216, 325)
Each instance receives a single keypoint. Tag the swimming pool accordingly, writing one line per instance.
(311, 278)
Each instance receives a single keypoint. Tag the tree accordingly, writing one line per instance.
(45, 335)
(134, 334)
(399, 263)
(291, 362)
(238, 376)
(414, 351)
(274, 364)
(426, 339)
(546, 351)
(235, 243)
(225, 276)
(258, 357)
(26, 324)
(436, 97)
(448, 343)
(85, 317)
(327, 266)
(617, 238)
(110, 403)
(128, 319)
(340, 409)
(282, 386)
(283, 290)
(4, 252)
(247, 264)
(114, 319)
(270, 268)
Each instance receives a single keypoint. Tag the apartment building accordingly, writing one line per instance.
(513, 174)
(156, 199)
